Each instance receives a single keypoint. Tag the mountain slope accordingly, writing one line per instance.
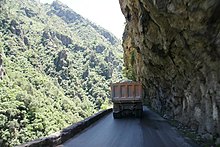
(58, 67)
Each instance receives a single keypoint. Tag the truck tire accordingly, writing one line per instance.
(116, 115)
(138, 113)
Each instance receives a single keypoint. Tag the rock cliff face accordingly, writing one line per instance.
(173, 47)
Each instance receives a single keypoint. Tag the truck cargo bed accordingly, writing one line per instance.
(127, 98)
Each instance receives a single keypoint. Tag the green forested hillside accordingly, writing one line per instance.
(58, 67)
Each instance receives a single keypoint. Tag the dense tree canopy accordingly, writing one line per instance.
(58, 68)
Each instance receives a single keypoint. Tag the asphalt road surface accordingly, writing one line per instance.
(149, 131)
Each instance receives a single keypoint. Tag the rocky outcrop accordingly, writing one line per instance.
(64, 12)
(15, 28)
(1, 69)
(29, 12)
(65, 40)
(99, 48)
(173, 47)
(61, 61)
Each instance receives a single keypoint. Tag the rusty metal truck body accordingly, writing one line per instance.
(127, 99)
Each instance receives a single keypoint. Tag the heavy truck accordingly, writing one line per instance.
(127, 99)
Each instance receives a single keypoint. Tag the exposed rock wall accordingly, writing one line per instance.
(173, 47)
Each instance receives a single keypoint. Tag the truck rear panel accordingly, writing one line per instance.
(126, 98)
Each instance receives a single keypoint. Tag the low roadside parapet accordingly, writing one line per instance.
(67, 133)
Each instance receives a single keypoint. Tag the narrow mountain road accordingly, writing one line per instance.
(150, 131)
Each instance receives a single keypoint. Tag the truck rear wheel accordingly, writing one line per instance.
(116, 115)
(138, 113)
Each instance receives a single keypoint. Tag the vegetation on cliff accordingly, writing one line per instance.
(58, 67)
